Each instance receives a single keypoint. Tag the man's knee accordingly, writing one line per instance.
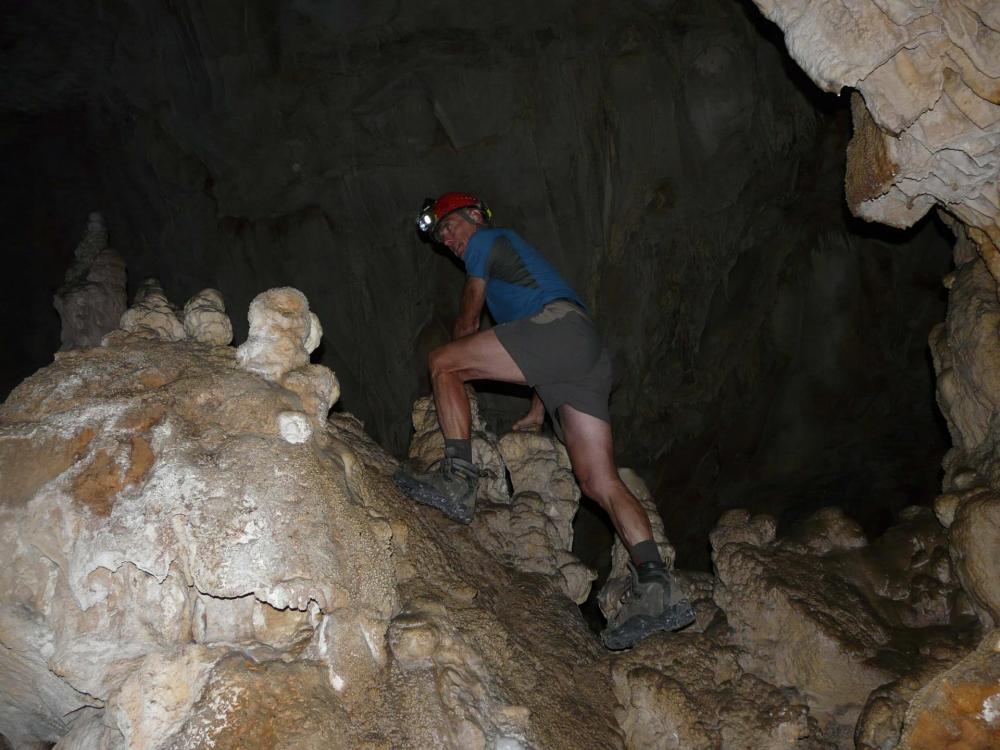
(442, 361)
(596, 487)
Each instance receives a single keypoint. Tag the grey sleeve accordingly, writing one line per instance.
(506, 265)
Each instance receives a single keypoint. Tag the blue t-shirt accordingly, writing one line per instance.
(519, 281)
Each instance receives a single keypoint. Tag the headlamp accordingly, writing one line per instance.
(426, 218)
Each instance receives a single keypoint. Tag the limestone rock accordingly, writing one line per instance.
(536, 530)
(317, 387)
(294, 427)
(150, 501)
(92, 298)
(825, 531)
(282, 333)
(526, 535)
(881, 722)
(967, 363)
(152, 315)
(205, 318)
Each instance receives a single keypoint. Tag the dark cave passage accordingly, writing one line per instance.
(770, 351)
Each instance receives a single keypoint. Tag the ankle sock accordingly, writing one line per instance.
(646, 552)
(458, 449)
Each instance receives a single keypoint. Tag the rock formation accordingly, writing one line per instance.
(205, 318)
(927, 115)
(960, 707)
(152, 315)
(926, 133)
(528, 526)
(92, 299)
(195, 555)
(164, 539)
(822, 610)
(283, 333)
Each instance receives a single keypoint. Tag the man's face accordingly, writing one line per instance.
(455, 230)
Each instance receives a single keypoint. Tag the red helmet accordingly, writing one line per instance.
(435, 210)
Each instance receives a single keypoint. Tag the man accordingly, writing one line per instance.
(544, 338)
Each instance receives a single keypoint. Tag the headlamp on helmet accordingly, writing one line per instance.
(434, 210)
(426, 218)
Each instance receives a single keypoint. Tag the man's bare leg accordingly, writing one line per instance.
(535, 416)
(651, 604)
(480, 356)
(591, 451)
(452, 486)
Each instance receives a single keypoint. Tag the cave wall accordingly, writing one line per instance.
(669, 158)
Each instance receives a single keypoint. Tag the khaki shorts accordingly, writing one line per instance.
(562, 358)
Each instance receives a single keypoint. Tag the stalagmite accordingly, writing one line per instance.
(92, 299)
(283, 333)
(205, 318)
(152, 315)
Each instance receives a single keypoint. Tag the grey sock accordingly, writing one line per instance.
(458, 449)
(646, 552)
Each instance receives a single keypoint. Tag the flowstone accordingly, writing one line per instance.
(688, 692)
(177, 573)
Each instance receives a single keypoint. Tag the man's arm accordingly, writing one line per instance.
(471, 309)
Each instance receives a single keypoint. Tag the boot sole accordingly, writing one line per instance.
(636, 628)
(427, 495)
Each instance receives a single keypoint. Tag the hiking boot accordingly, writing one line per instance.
(449, 485)
(650, 604)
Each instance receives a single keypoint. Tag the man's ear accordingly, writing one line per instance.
(477, 216)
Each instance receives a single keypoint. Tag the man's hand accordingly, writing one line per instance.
(465, 328)
(471, 309)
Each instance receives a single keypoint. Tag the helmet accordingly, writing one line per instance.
(435, 210)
